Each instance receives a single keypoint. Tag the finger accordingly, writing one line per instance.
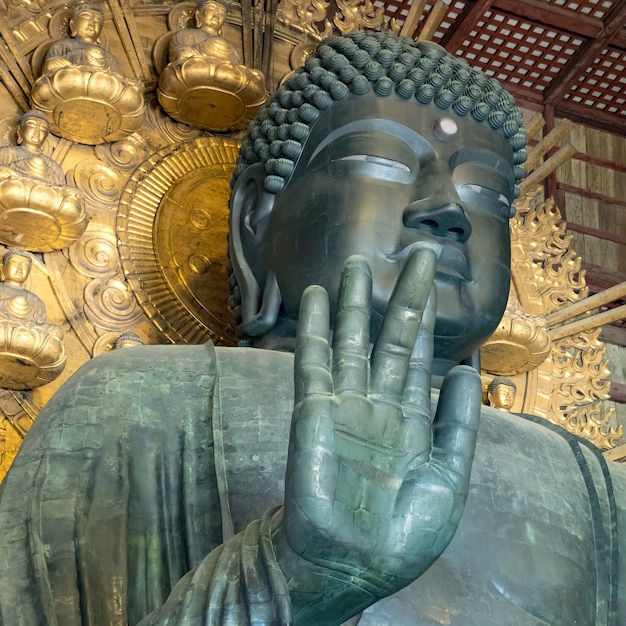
(416, 398)
(401, 323)
(312, 355)
(456, 426)
(352, 325)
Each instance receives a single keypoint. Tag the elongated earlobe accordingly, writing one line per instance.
(251, 206)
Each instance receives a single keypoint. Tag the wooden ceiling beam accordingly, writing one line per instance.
(595, 232)
(464, 24)
(581, 60)
(552, 15)
(617, 337)
(620, 40)
(581, 114)
(600, 278)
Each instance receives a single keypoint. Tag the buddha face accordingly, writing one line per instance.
(211, 17)
(87, 25)
(16, 269)
(378, 177)
(32, 133)
(503, 397)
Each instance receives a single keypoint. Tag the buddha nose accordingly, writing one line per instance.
(446, 220)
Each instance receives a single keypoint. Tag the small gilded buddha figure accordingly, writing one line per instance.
(38, 211)
(31, 350)
(105, 105)
(26, 159)
(204, 83)
(83, 48)
(501, 393)
(206, 40)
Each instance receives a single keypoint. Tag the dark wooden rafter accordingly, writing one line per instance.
(465, 23)
(552, 15)
(594, 195)
(613, 25)
(599, 234)
(582, 114)
(601, 278)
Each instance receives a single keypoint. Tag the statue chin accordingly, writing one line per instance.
(89, 106)
(211, 94)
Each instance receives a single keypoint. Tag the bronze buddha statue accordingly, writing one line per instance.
(384, 172)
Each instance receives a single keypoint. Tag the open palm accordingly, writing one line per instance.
(375, 489)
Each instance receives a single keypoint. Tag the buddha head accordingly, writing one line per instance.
(16, 266)
(501, 393)
(32, 130)
(128, 340)
(377, 145)
(87, 22)
(210, 16)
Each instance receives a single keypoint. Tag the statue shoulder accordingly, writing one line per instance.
(145, 375)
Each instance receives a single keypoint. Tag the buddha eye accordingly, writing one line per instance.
(369, 158)
(485, 197)
(488, 192)
(483, 186)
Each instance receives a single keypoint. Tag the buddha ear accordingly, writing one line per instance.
(250, 207)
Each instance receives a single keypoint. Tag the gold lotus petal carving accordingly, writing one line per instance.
(172, 228)
(39, 216)
(30, 355)
(519, 344)
(210, 95)
(89, 106)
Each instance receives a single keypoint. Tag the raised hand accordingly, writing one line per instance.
(375, 489)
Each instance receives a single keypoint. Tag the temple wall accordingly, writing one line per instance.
(592, 190)
(592, 196)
